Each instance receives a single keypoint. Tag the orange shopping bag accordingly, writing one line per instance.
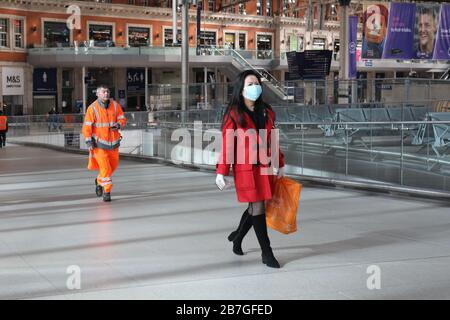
(281, 210)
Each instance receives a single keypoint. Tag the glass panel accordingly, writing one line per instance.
(230, 40)
(242, 41)
(168, 40)
(101, 34)
(56, 34)
(18, 33)
(138, 37)
(4, 33)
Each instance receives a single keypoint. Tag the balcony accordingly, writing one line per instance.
(153, 56)
(367, 65)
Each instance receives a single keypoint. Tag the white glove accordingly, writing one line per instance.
(281, 172)
(221, 182)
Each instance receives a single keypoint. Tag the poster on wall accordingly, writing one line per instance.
(12, 81)
(425, 30)
(44, 81)
(400, 29)
(135, 79)
(442, 48)
(375, 19)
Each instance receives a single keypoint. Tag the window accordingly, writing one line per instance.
(230, 40)
(285, 7)
(264, 46)
(318, 44)
(56, 34)
(138, 36)
(258, 7)
(4, 33)
(18, 33)
(101, 34)
(242, 8)
(242, 41)
(211, 5)
(295, 42)
(268, 7)
(207, 38)
(168, 42)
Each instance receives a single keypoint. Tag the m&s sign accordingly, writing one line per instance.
(12, 81)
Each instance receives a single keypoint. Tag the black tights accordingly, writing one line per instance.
(256, 208)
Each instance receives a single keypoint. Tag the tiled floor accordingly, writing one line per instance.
(164, 237)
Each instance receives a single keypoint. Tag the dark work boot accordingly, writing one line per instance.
(98, 189)
(106, 197)
(260, 226)
(238, 235)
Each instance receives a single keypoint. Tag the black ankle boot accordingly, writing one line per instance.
(260, 226)
(107, 197)
(238, 235)
(98, 189)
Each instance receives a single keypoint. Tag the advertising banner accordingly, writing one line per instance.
(352, 40)
(442, 48)
(400, 34)
(375, 20)
(425, 31)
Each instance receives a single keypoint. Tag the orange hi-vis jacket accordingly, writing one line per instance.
(98, 122)
(3, 123)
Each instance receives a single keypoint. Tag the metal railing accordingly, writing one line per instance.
(366, 152)
(313, 92)
(91, 48)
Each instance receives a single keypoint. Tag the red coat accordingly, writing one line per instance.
(251, 185)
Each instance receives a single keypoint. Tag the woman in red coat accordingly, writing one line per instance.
(246, 144)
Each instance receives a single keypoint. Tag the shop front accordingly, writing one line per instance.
(44, 90)
(136, 89)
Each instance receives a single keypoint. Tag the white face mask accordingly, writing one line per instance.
(252, 93)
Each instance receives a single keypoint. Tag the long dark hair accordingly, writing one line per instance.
(237, 104)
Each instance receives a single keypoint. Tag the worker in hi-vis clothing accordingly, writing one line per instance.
(101, 127)
(3, 129)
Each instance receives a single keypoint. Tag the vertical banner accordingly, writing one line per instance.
(442, 50)
(427, 22)
(352, 38)
(199, 17)
(375, 20)
(400, 36)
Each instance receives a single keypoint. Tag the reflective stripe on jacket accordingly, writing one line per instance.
(3, 123)
(98, 122)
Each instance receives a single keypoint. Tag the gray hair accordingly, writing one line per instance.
(102, 86)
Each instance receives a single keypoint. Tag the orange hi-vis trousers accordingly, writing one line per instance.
(107, 160)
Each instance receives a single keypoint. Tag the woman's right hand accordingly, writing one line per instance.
(221, 182)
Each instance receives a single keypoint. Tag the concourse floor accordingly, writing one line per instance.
(164, 237)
